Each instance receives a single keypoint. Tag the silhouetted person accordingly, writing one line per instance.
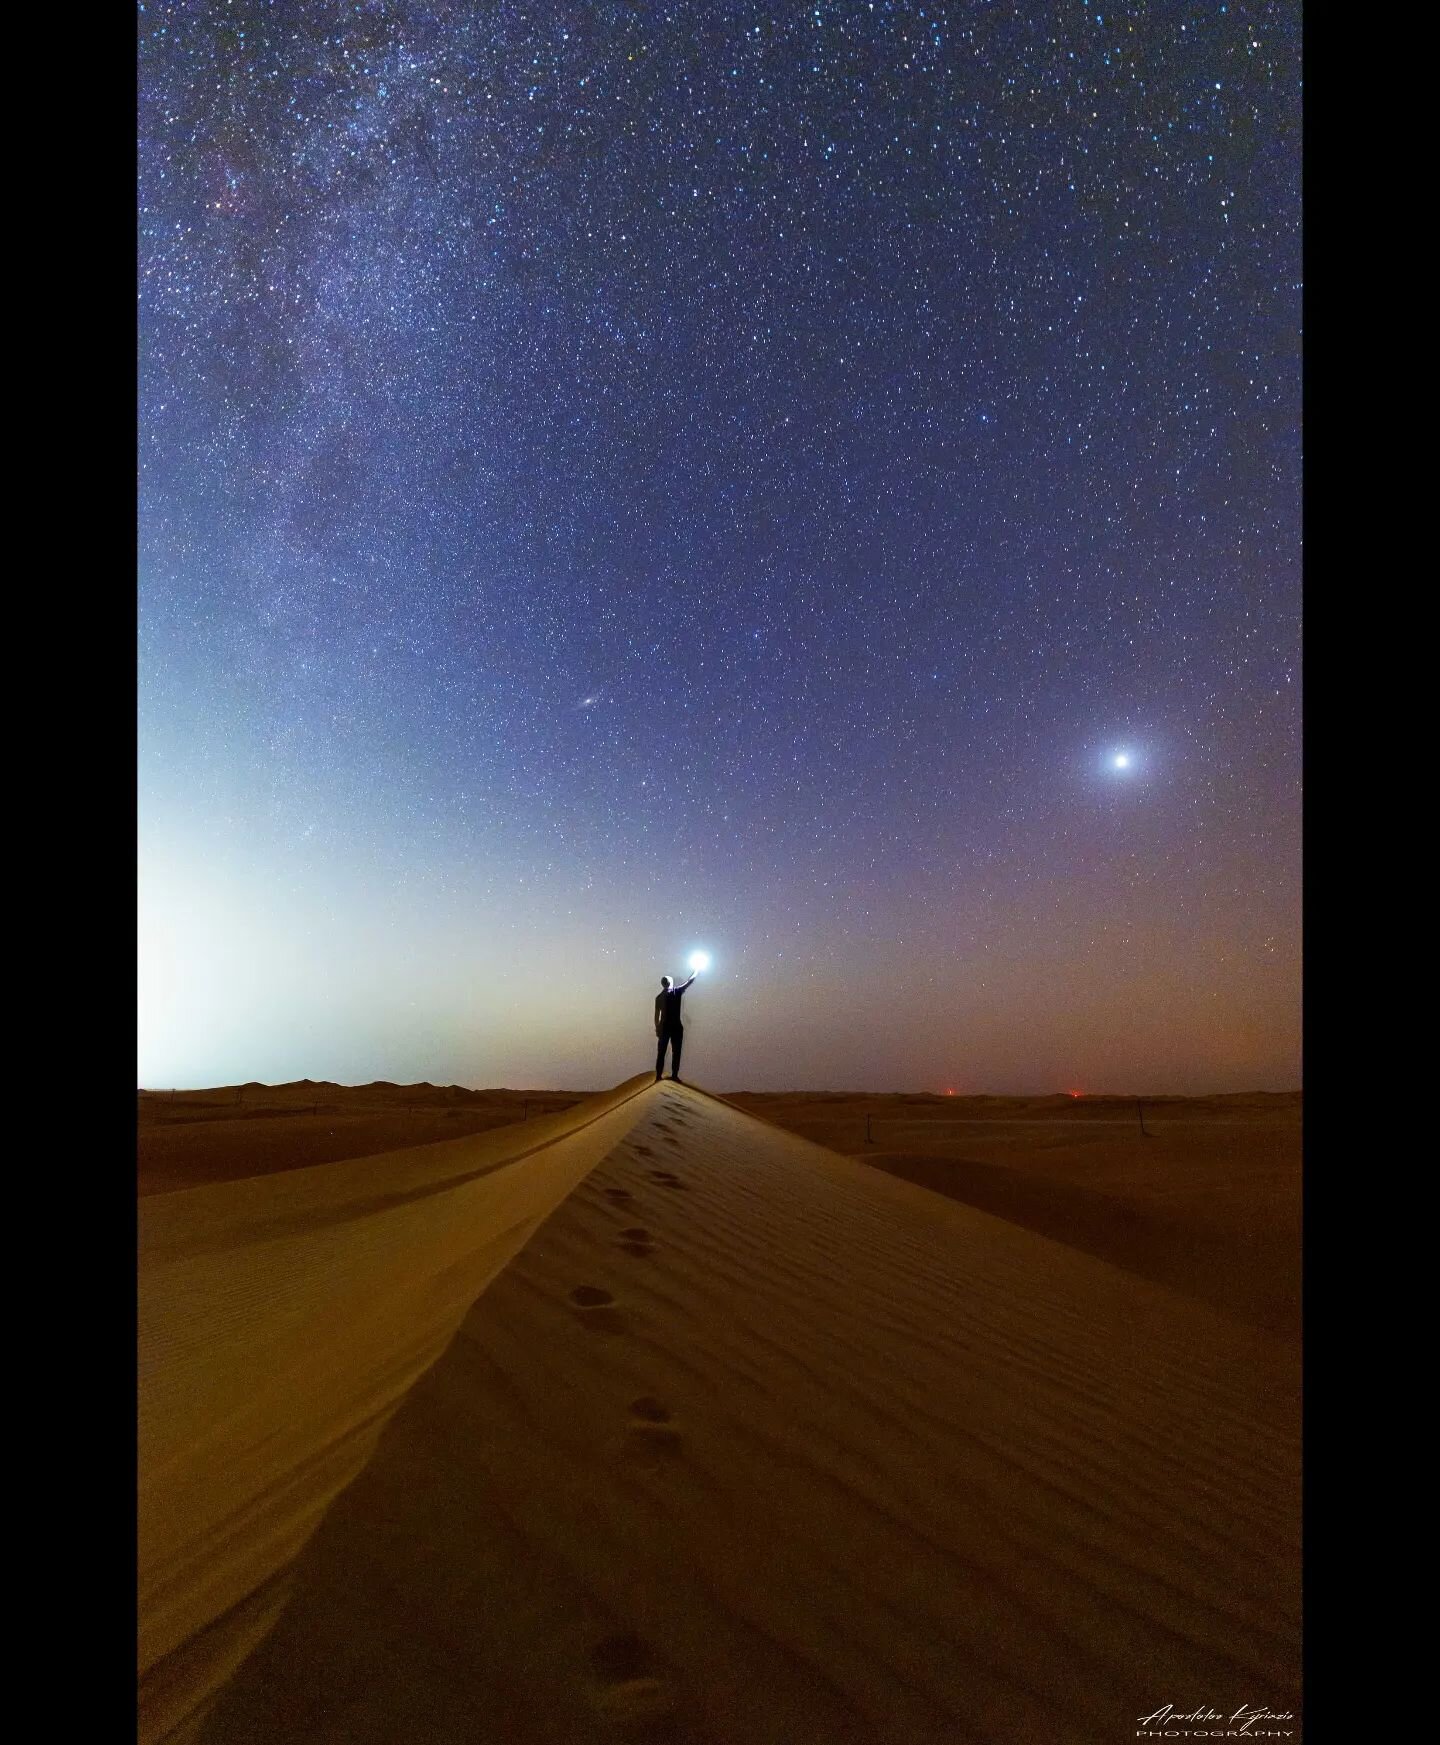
(668, 1028)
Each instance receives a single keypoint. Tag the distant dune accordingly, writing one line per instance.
(1204, 1198)
(748, 1442)
(189, 1138)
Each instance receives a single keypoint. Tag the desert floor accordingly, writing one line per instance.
(750, 1441)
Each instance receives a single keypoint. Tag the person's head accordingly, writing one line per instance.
(664, 981)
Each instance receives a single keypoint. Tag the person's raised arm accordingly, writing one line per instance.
(681, 989)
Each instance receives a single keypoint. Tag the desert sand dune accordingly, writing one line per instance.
(282, 1319)
(186, 1139)
(750, 1443)
(1205, 1200)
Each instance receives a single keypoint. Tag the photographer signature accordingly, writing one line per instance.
(1250, 1721)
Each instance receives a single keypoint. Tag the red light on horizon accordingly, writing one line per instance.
(1076, 1093)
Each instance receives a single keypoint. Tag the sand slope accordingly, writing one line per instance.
(1206, 1200)
(754, 1443)
(282, 1319)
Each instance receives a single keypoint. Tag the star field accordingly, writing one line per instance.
(621, 477)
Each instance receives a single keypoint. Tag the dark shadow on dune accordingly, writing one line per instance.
(1252, 1275)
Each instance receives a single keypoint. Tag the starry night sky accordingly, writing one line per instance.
(622, 478)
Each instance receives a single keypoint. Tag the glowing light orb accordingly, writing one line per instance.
(1121, 760)
(699, 960)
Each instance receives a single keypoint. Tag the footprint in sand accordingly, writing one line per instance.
(621, 1196)
(652, 1438)
(670, 1139)
(595, 1309)
(666, 1178)
(637, 1240)
(631, 1693)
(644, 1151)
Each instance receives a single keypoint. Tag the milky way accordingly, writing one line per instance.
(617, 477)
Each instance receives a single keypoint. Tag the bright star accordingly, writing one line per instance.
(1122, 760)
(699, 960)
